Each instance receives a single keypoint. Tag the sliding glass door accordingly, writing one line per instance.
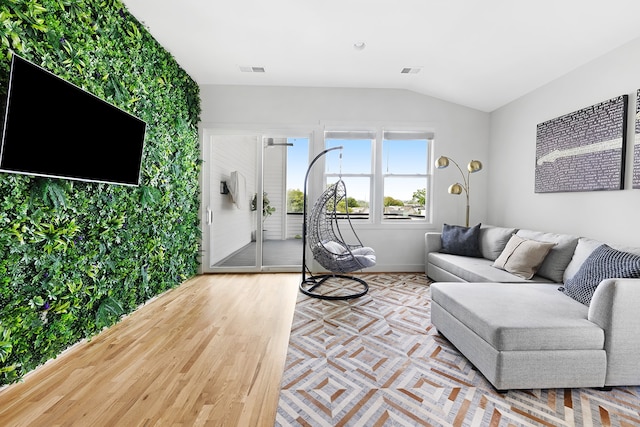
(233, 172)
(252, 202)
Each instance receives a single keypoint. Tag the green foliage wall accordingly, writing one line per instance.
(74, 256)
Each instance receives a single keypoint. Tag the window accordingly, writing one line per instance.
(354, 164)
(405, 157)
(387, 176)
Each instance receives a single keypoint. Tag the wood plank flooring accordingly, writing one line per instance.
(210, 352)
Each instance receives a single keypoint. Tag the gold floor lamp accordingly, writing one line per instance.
(457, 188)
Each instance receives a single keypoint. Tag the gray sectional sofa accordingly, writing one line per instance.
(543, 331)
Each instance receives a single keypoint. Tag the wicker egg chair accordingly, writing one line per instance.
(330, 248)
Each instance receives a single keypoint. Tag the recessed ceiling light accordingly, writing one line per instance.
(359, 45)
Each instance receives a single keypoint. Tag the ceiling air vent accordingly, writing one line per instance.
(252, 69)
(410, 70)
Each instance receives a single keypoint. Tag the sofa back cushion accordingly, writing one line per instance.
(493, 240)
(584, 248)
(557, 260)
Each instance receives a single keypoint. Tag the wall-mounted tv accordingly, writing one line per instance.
(53, 128)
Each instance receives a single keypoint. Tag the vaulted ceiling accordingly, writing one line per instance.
(478, 53)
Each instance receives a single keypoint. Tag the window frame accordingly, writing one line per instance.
(377, 176)
(408, 135)
(354, 135)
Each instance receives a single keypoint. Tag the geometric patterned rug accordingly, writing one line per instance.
(377, 361)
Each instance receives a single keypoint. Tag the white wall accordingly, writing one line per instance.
(461, 133)
(611, 216)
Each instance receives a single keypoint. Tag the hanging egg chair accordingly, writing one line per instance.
(339, 253)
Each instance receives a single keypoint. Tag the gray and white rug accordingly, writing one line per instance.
(378, 361)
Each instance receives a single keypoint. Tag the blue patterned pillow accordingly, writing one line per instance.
(458, 240)
(603, 263)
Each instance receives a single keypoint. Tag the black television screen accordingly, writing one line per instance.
(55, 129)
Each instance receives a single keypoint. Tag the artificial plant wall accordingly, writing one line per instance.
(74, 256)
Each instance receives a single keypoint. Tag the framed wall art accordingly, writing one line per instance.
(636, 145)
(583, 150)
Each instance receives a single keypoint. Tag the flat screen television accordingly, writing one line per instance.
(53, 128)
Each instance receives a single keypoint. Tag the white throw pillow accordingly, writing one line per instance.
(523, 257)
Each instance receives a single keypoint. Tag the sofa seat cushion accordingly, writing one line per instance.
(476, 269)
(520, 317)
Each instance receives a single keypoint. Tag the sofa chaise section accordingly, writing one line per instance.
(521, 335)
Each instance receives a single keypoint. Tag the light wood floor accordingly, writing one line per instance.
(210, 352)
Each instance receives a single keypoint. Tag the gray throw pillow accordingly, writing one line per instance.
(458, 240)
(603, 263)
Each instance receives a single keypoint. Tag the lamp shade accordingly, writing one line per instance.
(474, 166)
(442, 162)
(455, 188)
